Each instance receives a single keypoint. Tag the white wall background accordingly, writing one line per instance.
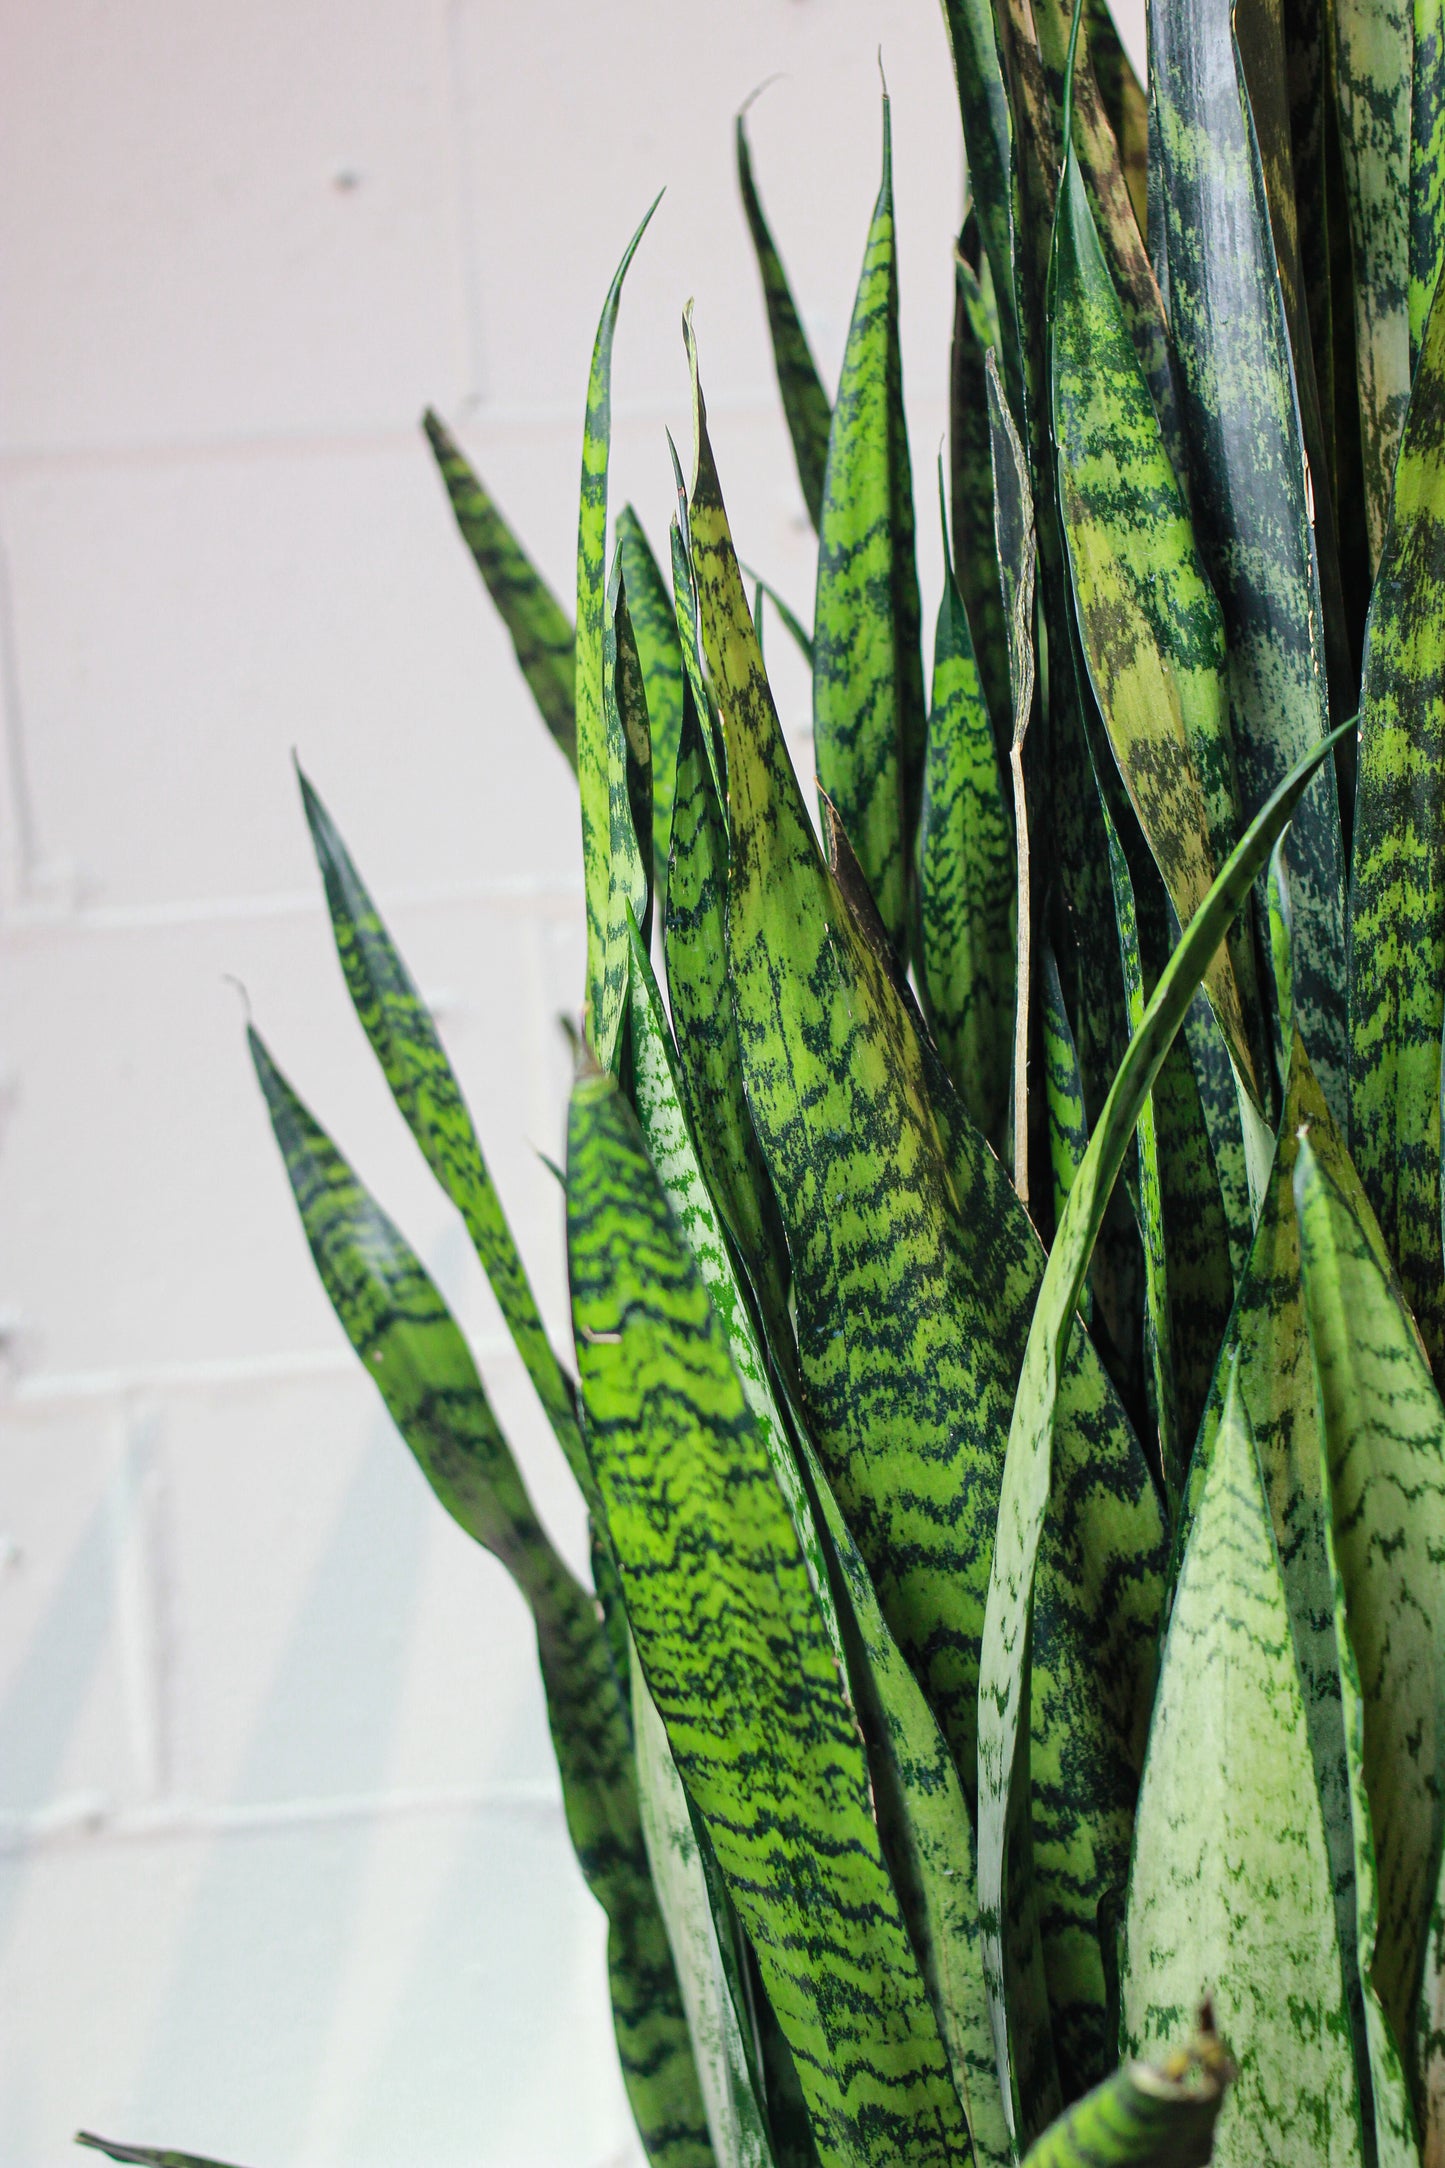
(283, 1874)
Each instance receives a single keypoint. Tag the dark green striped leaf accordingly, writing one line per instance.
(1064, 1087)
(659, 654)
(1017, 545)
(1397, 902)
(1124, 103)
(1147, 2115)
(1373, 48)
(738, 1662)
(406, 1338)
(147, 2156)
(1430, 2033)
(541, 632)
(695, 954)
(970, 467)
(629, 778)
(1028, 1475)
(1148, 619)
(1385, 1444)
(423, 1083)
(988, 130)
(1231, 1878)
(869, 717)
(1427, 167)
(914, 1271)
(1247, 478)
(606, 923)
(805, 403)
(966, 878)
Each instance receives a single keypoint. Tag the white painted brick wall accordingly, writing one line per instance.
(282, 1866)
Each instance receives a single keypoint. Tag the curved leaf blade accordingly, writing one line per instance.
(805, 403)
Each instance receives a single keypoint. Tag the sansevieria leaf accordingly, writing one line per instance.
(606, 923)
(1028, 1475)
(1385, 1445)
(966, 878)
(147, 2156)
(654, 629)
(805, 403)
(1147, 2115)
(541, 631)
(1247, 478)
(1397, 897)
(869, 717)
(414, 1062)
(735, 1655)
(406, 1337)
(906, 1396)
(1231, 1878)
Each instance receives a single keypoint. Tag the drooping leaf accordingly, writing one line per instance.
(659, 654)
(696, 960)
(1147, 2115)
(1231, 1879)
(1247, 478)
(414, 1062)
(966, 878)
(1028, 1475)
(717, 1592)
(869, 716)
(906, 1394)
(1148, 619)
(1385, 1446)
(1397, 899)
(147, 2156)
(541, 633)
(1373, 51)
(403, 1332)
(606, 924)
(805, 403)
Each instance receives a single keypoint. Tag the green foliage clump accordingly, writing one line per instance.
(1005, 1240)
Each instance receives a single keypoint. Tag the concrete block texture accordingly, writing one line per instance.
(283, 1874)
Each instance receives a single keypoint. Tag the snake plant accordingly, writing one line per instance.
(1005, 1235)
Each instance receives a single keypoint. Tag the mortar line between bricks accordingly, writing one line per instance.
(88, 1820)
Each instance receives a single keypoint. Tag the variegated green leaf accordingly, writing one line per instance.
(796, 630)
(1124, 103)
(970, 468)
(606, 924)
(1148, 619)
(147, 2156)
(1028, 1475)
(1147, 2115)
(414, 1062)
(1247, 477)
(1231, 1887)
(1385, 1444)
(1430, 2035)
(805, 403)
(736, 2117)
(717, 1590)
(695, 953)
(988, 130)
(654, 628)
(869, 717)
(1427, 167)
(1373, 50)
(404, 1334)
(966, 878)
(541, 633)
(1397, 900)
(884, 1186)
(629, 777)
(1064, 1087)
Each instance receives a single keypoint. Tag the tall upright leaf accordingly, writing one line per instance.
(970, 470)
(403, 1332)
(1247, 476)
(1231, 1880)
(805, 403)
(716, 1590)
(541, 633)
(1397, 900)
(659, 654)
(1385, 1444)
(869, 718)
(606, 925)
(988, 132)
(966, 878)
(906, 1395)
(1373, 51)
(1427, 167)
